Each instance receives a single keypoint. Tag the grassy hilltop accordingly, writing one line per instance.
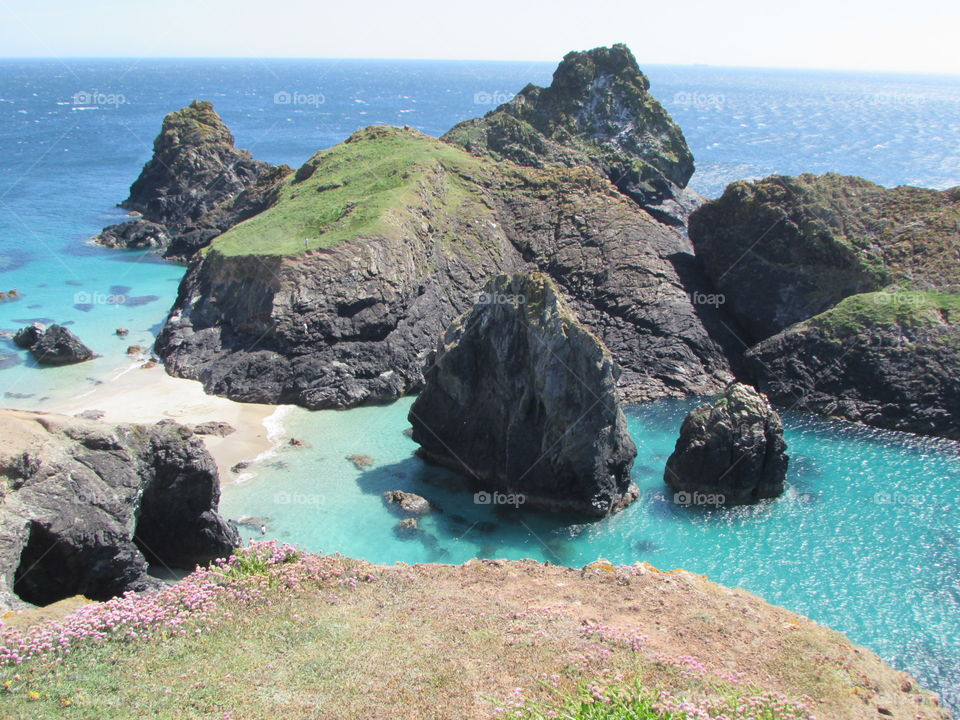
(358, 188)
(275, 633)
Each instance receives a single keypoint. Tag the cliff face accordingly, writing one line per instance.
(402, 233)
(597, 112)
(851, 289)
(190, 190)
(85, 506)
(521, 398)
(784, 249)
(888, 359)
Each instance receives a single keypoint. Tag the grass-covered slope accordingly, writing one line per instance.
(360, 188)
(910, 309)
(274, 633)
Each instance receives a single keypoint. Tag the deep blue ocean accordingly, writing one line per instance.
(866, 540)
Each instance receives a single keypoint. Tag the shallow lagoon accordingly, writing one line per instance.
(866, 540)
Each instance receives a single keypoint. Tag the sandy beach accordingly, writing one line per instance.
(144, 395)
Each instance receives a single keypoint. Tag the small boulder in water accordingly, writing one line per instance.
(408, 502)
(731, 450)
(55, 346)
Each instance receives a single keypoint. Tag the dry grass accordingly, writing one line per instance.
(456, 642)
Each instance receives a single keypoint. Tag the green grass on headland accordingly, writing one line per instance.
(359, 188)
(909, 308)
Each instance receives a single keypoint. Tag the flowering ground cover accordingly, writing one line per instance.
(276, 633)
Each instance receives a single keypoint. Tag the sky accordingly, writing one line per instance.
(915, 36)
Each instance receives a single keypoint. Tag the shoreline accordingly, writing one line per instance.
(146, 395)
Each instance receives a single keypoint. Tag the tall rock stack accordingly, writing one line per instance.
(521, 398)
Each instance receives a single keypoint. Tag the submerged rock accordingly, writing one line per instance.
(86, 506)
(730, 451)
(54, 346)
(408, 502)
(361, 462)
(521, 398)
(408, 527)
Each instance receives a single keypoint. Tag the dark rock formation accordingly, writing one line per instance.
(521, 398)
(408, 502)
(29, 336)
(598, 111)
(85, 506)
(888, 359)
(351, 322)
(802, 262)
(731, 451)
(54, 346)
(786, 248)
(196, 185)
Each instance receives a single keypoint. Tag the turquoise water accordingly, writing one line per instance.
(885, 573)
(866, 539)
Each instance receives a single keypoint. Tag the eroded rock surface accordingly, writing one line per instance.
(85, 506)
(731, 450)
(521, 398)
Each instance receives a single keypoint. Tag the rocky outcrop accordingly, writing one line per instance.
(54, 345)
(27, 337)
(407, 502)
(597, 112)
(730, 451)
(783, 249)
(888, 359)
(196, 185)
(407, 246)
(86, 506)
(521, 398)
(851, 289)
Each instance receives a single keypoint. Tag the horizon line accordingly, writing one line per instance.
(130, 58)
